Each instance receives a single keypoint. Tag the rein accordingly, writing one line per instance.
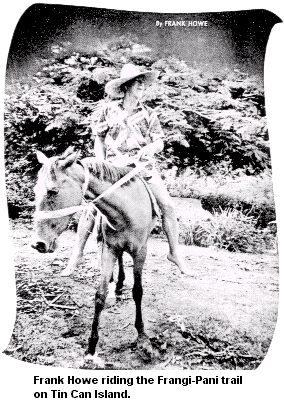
(54, 214)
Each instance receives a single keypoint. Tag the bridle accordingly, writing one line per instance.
(89, 205)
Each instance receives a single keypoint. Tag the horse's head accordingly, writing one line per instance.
(58, 187)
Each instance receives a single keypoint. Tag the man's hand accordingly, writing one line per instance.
(148, 151)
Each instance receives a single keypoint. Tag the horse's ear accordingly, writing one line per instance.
(68, 161)
(41, 157)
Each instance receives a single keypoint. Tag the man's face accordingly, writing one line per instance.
(137, 88)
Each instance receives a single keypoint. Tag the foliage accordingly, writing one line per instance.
(228, 229)
(210, 118)
(227, 188)
(19, 193)
(50, 114)
(207, 119)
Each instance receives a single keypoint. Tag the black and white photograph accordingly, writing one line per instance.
(140, 192)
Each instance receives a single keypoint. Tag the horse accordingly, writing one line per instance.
(129, 215)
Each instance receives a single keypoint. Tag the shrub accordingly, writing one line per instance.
(228, 189)
(206, 120)
(228, 229)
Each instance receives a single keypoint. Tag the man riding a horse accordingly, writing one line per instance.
(123, 199)
(127, 131)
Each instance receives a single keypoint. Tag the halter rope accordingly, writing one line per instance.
(54, 214)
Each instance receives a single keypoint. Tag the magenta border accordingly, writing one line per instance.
(267, 381)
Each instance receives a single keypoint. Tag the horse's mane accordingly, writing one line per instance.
(101, 170)
(105, 171)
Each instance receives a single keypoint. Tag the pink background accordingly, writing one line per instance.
(16, 378)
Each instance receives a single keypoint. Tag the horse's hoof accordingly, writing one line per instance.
(95, 360)
(145, 349)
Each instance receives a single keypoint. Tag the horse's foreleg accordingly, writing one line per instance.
(143, 343)
(108, 259)
(85, 227)
(137, 291)
(121, 275)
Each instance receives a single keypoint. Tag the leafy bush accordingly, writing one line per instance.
(228, 229)
(227, 188)
(207, 119)
(49, 115)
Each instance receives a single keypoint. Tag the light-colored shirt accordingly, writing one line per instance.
(124, 133)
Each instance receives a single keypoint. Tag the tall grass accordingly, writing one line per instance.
(228, 229)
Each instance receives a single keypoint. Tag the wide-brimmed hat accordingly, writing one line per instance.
(128, 73)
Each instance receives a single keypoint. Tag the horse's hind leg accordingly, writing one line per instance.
(107, 264)
(85, 227)
(143, 343)
(121, 275)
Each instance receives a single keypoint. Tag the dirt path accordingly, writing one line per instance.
(221, 317)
